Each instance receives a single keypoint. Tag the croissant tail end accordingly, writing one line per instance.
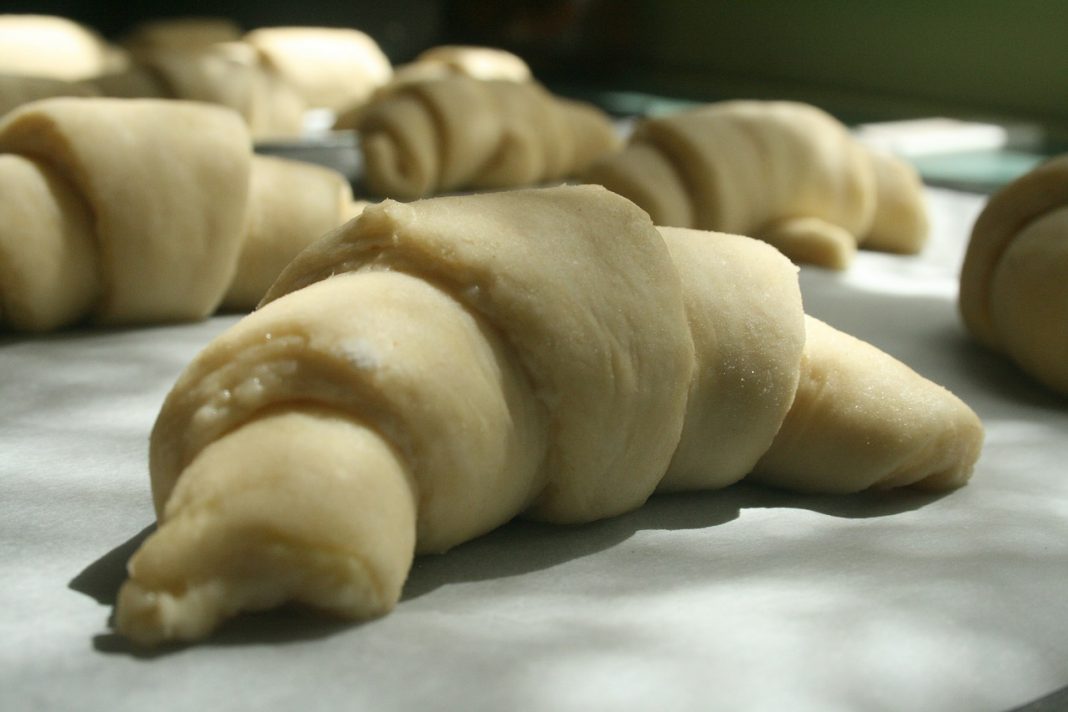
(812, 241)
(303, 505)
(348, 589)
(149, 618)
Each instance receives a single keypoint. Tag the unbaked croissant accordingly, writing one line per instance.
(51, 46)
(330, 67)
(138, 211)
(227, 74)
(434, 136)
(785, 172)
(431, 370)
(466, 60)
(1014, 280)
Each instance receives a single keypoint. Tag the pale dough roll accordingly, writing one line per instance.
(535, 143)
(644, 174)
(453, 133)
(592, 135)
(48, 46)
(808, 240)
(432, 136)
(744, 309)
(862, 419)
(270, 107)
(784, 172)
(331, 68)
(283, 539)
(451, 60)
(374, 345)
(219, 75)
(56, 281)
(900, 223)
(353, 210)
(749, 163)
(167, 231)
(1007, 212)
(291, 204)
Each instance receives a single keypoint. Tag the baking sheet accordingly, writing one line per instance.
(747, 598)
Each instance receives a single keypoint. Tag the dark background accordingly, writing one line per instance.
(861, 59)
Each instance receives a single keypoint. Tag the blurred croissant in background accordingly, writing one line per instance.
(785, 172)
(167, 219)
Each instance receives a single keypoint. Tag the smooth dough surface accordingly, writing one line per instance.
(546, 353)
(17, 89)
(330, 67)
(744, 309)
(442, 135)
(181, 33)
(784, 172)
(522, 259)
(470, 61)
(863, 419)
(50, 46)
(227, 74)
(275, 537)
(1012, 283)
(167, 232)
(49, 271)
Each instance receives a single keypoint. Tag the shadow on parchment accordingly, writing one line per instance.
(539, 546)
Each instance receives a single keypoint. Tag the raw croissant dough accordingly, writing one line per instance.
(332, 68)
(785, 172)
(137, 211)
(55, 47)
(227, 74)
(451, 60)
(1014, 281)
(272, 76)
(456, 132)
(431, 370)
(19, 89)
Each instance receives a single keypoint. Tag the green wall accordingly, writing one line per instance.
(983, 58)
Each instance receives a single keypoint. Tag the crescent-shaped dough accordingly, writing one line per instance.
(431, 370)
(785, 172)
(140, 211)
(330, 67)
(448, 134)
(1014, 280)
